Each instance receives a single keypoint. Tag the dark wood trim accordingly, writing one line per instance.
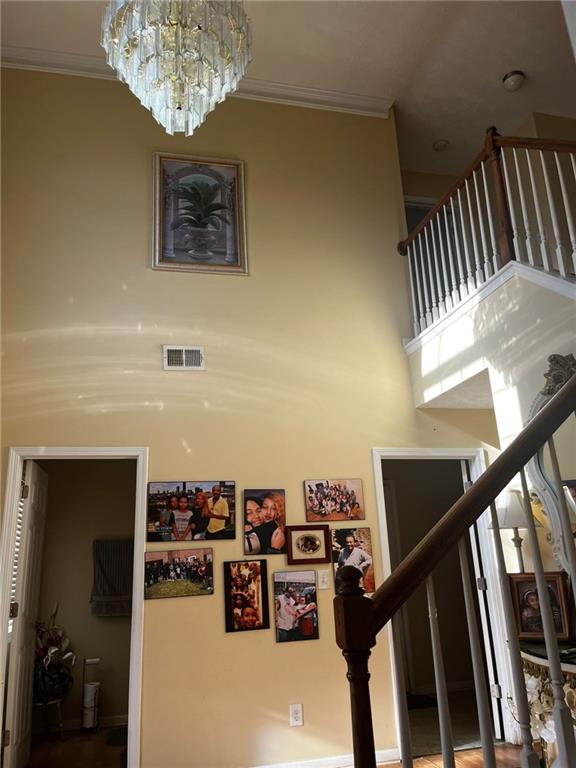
(412, 571)
(353, 617)
(505, 231)
(548, 145)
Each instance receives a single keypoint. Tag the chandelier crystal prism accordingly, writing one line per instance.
(180, 58)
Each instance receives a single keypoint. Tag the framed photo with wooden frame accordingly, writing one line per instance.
(527, 605)
(199, 223)
(308, 544)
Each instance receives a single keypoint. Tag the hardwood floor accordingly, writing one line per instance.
(77, 750)
(507, 756)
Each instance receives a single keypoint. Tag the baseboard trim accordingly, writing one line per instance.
(340, 761)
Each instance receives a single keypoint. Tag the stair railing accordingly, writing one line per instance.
(358, 619)
(516, 201)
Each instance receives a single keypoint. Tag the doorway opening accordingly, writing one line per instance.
(415, 489)
(73, 545)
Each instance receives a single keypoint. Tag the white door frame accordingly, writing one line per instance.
(16, 459)
(477, 463)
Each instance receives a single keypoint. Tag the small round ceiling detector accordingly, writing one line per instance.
(441, 145)
(513, 80)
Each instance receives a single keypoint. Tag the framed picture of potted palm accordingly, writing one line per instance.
(199, 215)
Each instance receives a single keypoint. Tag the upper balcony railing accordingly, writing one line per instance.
(515, 202)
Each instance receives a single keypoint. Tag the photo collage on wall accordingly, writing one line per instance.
(191, 515)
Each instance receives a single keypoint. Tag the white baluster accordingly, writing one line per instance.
(455, 294)
(448, 283)
(524, 208)
(475, 249)
(511, 208)
(461, 272)
(568, 210)
(415, 292)
(434, 294)
(541, 231)
(425, 289)
(443, 294)
(469, 275)
(482, 227)
(554, 217)
(493, 240)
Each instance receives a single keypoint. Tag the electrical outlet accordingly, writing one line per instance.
(323, 579)
(296, 716)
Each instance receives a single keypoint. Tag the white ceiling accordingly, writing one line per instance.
(440, 63)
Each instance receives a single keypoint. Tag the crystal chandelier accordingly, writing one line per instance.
(179, 57)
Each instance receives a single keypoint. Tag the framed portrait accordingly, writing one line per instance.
(264, 521)
(178, 573)
(246, 590)
(295, 606)
(527, 605)
(199, 215)
(333, 500)
(191, 510)
(308, 544)
(353, 546)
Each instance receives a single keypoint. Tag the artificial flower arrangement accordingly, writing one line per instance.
(541, 706)
(53, 663)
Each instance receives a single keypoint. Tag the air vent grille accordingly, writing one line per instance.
(183, 358)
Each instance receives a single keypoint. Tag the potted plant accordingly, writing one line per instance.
(200, 213)
(53, 663)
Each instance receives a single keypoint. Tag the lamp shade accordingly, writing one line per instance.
(510, 510)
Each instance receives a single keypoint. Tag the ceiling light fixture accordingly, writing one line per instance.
(441, 145)
(180, 58)
(514, 80)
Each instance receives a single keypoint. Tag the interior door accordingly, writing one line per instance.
(485, 618)
(28, 567)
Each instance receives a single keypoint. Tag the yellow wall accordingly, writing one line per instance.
(539, 125)
(306, 369)
(87, 500)
(427, 185)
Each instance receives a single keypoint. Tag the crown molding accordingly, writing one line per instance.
(315, 98)
(61, 63)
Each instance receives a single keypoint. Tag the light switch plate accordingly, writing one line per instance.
(323, 579)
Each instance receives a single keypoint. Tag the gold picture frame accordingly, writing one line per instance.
(199, 219)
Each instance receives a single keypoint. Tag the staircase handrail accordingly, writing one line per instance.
(419, 564)
(493, 143)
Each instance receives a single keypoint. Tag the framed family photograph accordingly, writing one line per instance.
(308, 543)
(199, 215)
(527, 605)
(264, 522)
(353, 546)
(178, 573)
(334, 500)
(191, 510)
(246, 590)
(295, 607)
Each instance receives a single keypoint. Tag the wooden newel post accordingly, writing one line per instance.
(353, 615)
(505, 231)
